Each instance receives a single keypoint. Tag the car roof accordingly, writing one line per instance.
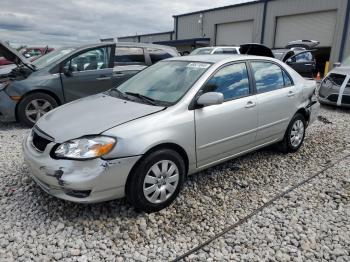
(218, 58)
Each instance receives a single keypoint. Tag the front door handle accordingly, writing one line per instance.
(103, 78)
(291, 93)
(250, 104)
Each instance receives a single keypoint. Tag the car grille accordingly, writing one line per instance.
(337, 79)
(333, 98)
(39, 142)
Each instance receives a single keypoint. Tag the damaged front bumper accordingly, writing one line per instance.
(87, 181)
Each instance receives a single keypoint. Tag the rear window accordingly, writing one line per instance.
(129, 56)
(157, 55)
(225, 51)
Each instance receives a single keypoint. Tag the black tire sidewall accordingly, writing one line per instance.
(26, 100)
(287, 139)
(134, 187)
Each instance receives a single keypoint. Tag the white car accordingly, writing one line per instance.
(217, 50)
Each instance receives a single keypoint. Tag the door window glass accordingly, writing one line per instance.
(91, 60)
(287, 80)
(157, 55)
(129, 56)
(232, 81)
(268, 76)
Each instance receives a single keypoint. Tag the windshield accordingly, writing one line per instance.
(51, 57)
(346, 62)
(165, 82)
(202, 51)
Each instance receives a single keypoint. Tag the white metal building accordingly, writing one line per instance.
(271, 22)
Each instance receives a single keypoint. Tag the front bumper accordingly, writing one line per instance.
(7, 108)
(87, 181)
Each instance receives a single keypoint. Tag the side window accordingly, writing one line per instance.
(90, 60)
(268, 76)
(157, 55)
(287, 80)
(232, 81)
(129, 56)
(304, 57)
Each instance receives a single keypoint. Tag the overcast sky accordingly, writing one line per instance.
(61, 22)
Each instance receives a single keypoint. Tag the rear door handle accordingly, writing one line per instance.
(291, 93)
(250, 104)
(103, 78)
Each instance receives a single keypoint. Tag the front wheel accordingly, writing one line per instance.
(34, 106)
(156, 181)
(294, 135)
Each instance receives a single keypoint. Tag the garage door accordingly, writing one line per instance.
(234, 33)
(314, 26)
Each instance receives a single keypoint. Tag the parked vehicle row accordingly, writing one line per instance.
(142, 138)
(34, 88)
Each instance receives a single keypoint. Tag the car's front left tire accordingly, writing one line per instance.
(156, 181)
(34, 106)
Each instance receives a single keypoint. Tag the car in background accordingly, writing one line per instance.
(30, 53)
(299, 55)
(35, 87)
(175, 118)
(216, 50)
(335, 86)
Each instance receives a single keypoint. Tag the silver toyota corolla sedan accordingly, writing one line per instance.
(175, 118)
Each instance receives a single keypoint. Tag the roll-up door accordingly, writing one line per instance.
(234, 33)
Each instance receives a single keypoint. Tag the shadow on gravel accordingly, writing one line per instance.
(11, 126)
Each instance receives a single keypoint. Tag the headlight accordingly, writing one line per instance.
(85, 148)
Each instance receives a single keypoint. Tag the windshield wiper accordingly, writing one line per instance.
(142, 97)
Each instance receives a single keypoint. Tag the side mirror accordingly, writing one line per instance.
(67, 71)
(336, 64)
(210, 98)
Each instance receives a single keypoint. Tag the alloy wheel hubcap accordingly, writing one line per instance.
(161, 181)
(297, 133)
(37, 108)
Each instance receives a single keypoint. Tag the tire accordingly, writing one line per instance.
(34, 106)
(142, 192)
(297, 125)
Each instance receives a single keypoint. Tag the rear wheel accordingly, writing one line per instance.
(34, 106)
(294, 135)
(156, 181)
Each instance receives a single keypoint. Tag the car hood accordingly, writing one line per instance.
(91, 116)
(256, 49)
(344, 70)
(13, 56)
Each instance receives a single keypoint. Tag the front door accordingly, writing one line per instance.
(229, 128)
(277, 99)
(304, 63)
(87, 73)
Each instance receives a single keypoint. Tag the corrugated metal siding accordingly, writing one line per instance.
(155, 38)
(188, 26)
(281, 8)
(347, 43)
(318, 26)
(128, 39)
(234, 33)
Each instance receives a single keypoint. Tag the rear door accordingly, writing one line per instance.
(277, 100)
(304, 63)
(90, 72)
(229, 128)
(128, 61)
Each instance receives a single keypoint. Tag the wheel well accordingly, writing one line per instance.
(38, 91)
(305, 114)
(171, 146)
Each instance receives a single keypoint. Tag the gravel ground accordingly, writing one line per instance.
(312, 222)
